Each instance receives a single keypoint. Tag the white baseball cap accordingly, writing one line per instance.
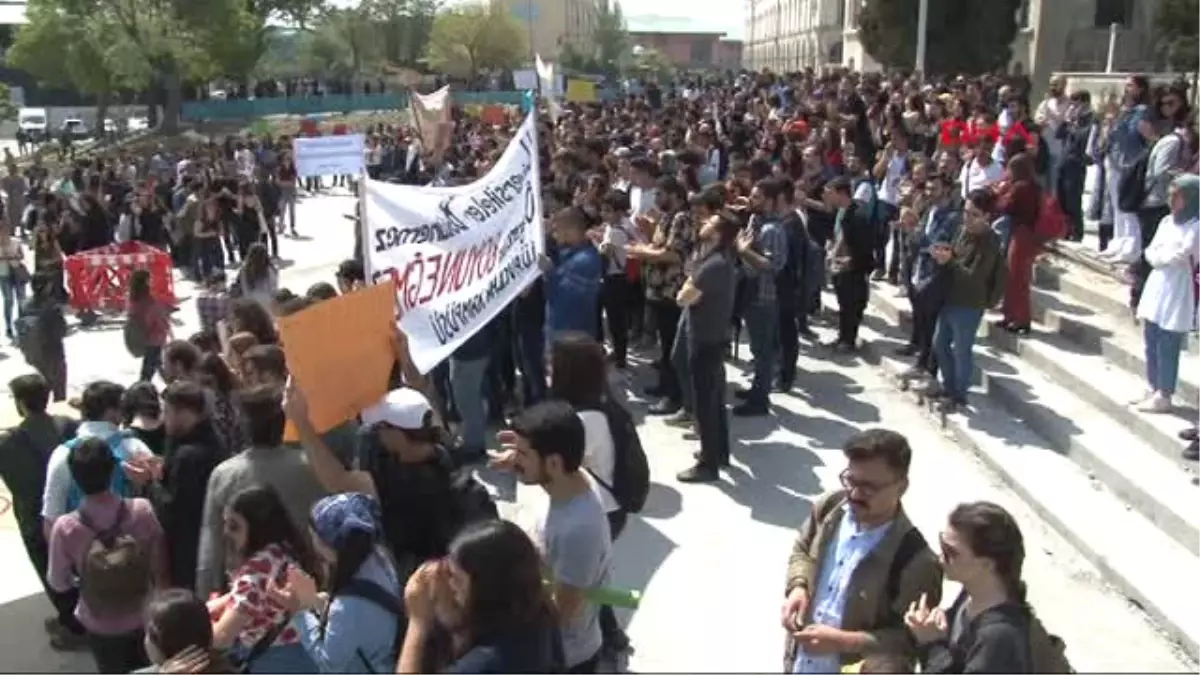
(403, 408)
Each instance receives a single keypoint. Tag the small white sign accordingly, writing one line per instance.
(329, 155)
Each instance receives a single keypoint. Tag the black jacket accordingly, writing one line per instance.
(995, 641)
(24, 452)
(179, 497)
(859, 236)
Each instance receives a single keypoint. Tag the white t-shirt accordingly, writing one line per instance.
(245, 162)
(641, 200)
(619, 236)
(889, 190)
(974, 176)
(598, 455)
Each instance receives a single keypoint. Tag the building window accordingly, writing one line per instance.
(1109, 12)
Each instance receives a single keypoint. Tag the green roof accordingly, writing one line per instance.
(653, 23)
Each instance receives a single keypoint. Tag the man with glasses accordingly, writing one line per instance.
(857, 564)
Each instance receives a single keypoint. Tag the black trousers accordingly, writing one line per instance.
(64, 603)
(666, 321)
(791, 319)
(123, 653)
(610, 628)
(852, 290)
(614, 298)
(712, 417)
(1069, 190)
(1148, 219)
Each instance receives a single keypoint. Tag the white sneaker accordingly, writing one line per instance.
(1158, 403)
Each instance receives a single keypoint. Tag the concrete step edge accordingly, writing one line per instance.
(1132, 564)
(1140, 484)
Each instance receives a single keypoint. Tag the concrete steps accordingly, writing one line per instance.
(1052, 417)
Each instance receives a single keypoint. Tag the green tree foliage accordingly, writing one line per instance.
(473, 39)
(403, 28)
(342, 43)
(964, 36)
(1175, 32)
(611, 37)
(62, 51)
(651, 61)
(8, 109)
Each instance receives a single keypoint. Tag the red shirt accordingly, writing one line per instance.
(153, 317)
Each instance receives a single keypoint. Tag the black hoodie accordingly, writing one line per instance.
(179, 497)
(995, 641)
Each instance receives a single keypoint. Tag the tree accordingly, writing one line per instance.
(611, 37)
(963, 36)
(61, 51)
(403, 28)
(466, 41)
(342, 42)
(571, 58)
(8, 110)
(1175, 32)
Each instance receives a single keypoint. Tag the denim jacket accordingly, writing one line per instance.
(1125, 141)
(940, 227)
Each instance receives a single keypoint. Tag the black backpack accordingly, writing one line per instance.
(631, 469)
(1131, 191)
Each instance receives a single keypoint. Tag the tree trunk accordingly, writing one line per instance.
(173, 90)
(102, 101)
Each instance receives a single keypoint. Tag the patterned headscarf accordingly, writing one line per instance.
(336, 516)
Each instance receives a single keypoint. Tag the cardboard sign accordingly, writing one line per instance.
(340, 354)
(581, 91)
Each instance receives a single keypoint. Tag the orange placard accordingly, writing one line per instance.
(340, 354)
(493, 115)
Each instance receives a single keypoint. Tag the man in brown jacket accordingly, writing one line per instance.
(857, 563)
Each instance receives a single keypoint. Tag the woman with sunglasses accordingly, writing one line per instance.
(987, 628)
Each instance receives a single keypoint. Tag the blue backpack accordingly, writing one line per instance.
(120, 484)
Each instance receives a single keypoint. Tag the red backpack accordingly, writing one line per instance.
(1051, 222)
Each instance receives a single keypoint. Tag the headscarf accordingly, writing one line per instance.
(1188, 186)
(336, 516)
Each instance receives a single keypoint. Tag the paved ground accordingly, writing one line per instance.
(709, 558)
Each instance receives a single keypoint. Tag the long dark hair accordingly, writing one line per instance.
(578, 374)
(506, 589)
(268, 522)
(992, 533)
(256, 268)
(355, 549)
(139, 287)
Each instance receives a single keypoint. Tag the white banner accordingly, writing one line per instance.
(329, 155)
(458, 255)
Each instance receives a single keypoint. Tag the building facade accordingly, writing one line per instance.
(694, 51)
(1054, 35)
(552, 24)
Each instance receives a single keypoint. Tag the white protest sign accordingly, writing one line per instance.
(457, 255)
(329, 155)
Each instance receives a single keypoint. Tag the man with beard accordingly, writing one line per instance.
(193, 451)
(763, 250)
(1073, 135)
(671, 244)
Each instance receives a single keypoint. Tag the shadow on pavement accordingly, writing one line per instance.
(25, 646)
(637, 555)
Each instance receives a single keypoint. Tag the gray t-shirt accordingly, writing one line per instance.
(577, 549)
(709, 319)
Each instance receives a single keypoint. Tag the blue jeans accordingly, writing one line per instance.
(14, 296)
(151, 362)
(952, 344)
(1162, 357)
(1002, 226)
(762, 324)
(466, 381)
(207, 256)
